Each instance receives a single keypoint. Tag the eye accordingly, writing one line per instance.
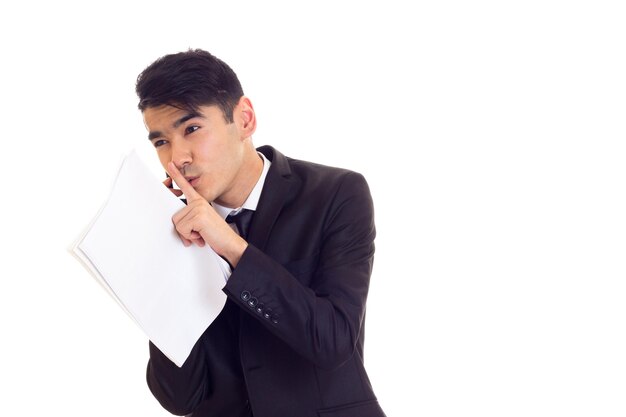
(159, 142)
(191, 129)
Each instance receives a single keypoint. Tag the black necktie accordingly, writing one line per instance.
(242, 221)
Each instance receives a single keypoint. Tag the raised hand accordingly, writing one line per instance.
(198, 223)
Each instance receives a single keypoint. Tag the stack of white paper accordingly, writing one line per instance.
(173, 292)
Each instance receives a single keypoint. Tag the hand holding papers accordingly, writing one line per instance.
(173, 292)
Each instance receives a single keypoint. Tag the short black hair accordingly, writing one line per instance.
(188, 80)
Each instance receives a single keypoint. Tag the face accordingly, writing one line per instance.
(208, 151)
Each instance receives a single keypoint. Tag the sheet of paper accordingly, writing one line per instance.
(173, 292)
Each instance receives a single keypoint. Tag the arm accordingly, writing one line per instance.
(174, 386)
(321, 322)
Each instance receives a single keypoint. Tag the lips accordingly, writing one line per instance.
(192, 180)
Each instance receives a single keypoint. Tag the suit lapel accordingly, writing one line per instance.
(277, 187)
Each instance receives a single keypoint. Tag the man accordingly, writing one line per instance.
(289, 341)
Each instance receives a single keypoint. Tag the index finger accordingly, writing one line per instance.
(180, 180)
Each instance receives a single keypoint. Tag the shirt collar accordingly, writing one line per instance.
(252, 201)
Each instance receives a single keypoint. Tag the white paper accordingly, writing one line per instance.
(173, 292)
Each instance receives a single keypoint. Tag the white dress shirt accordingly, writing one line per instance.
(251, 203)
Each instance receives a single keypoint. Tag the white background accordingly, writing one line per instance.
(491, 133)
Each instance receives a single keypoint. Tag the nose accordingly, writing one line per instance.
(181, 155)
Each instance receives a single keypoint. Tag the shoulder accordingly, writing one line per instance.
(315, 177)
(312, 171)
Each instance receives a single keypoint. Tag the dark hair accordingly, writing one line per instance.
(188, 80)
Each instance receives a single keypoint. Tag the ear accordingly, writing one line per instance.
(245, 117)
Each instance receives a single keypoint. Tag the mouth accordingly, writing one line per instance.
(193, 181)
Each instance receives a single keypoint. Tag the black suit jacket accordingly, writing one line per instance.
(289, 342)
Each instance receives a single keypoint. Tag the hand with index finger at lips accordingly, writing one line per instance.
(199, 223)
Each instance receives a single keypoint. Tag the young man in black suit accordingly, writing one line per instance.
(289, 341)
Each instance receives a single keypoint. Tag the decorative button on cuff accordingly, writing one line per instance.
(253, 303)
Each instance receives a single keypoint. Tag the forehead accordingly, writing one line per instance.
(153, 116)
(165, 117)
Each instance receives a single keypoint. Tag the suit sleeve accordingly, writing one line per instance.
(322, 321)
(174, 386)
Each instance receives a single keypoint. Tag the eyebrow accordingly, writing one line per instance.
(155, 134)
